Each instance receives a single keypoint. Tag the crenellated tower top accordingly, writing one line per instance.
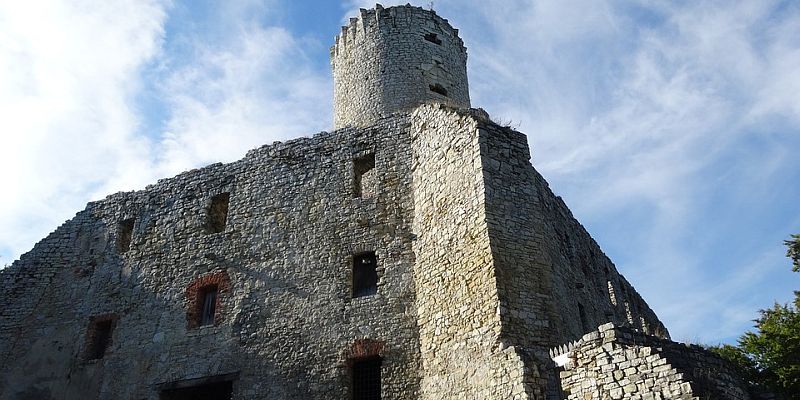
(392, 59)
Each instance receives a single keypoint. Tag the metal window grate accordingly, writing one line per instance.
(367, 379)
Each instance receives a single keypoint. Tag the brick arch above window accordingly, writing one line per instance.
(195, 296)
(365, 348)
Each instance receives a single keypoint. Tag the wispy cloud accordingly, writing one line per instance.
(671, 129)
(71, 81)
(66, 91)
(647, 130)
(250, 88)
(667, 127)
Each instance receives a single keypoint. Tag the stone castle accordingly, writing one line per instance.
(412, 253)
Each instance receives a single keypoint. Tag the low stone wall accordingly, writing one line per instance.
(620, 363)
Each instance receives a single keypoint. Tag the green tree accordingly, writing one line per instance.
(793, 251)
(775, 348)
(744, 365)
(770, 357)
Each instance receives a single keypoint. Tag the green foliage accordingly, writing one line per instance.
(769, 359)
(744, 365)
(775, 348)
(793, 251)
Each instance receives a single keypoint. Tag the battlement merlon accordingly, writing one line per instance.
(389, 60)
(371, 21)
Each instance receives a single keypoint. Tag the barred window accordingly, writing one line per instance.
(207, 297)
(367, 379)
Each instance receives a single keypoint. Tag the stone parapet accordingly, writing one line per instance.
(617, 362)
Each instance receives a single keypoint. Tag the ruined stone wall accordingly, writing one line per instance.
(457, 302)
(393, 59)
(287, 325)
(617, 362)
(587, 288)
(552, 277)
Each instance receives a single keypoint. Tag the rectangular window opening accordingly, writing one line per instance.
(99, 338)
(367, 379)
(364, 184)
(125, 235)
(208, 391)
(207, 299)
(365, 274)
(218, 213)
(437, 88)
(584, 321)
(433, 38)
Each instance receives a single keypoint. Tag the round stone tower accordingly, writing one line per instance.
(393, 59)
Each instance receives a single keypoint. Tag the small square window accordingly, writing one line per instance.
(365, 274)
(207, 301)
(365, 182)
(582, 315)
(367, 379)
(437, 88)
(433, 38)
(98, 336)
(217, 215)
(125, 235)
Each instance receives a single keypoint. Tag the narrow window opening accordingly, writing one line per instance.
(367, 379)
(124, 235)
(99, 338)
(643, 323)
(433, 38)
(218, 213)
(365, 183)
(628, 313)
(209, 391)
(365, 274)
(437, 88)
(612, 296)
(584, 322)
(207, 302)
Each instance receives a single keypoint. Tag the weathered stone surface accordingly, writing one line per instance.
(394, 59)
(666, 370)
(243, 272)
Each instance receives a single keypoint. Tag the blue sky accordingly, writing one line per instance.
(671, 129)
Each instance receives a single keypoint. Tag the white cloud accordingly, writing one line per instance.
(68, 72)
(654, 120)
(237, 95)
(648, 117)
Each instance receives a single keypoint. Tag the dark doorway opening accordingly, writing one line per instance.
(365, 274)
(367, 379)
(208, 391)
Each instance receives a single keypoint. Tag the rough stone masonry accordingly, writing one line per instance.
(412, 253)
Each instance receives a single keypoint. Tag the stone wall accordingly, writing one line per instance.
(457, 302)
(393, 59)
(479, 267)
(617, 362)
(287, 325)
(552, 278)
